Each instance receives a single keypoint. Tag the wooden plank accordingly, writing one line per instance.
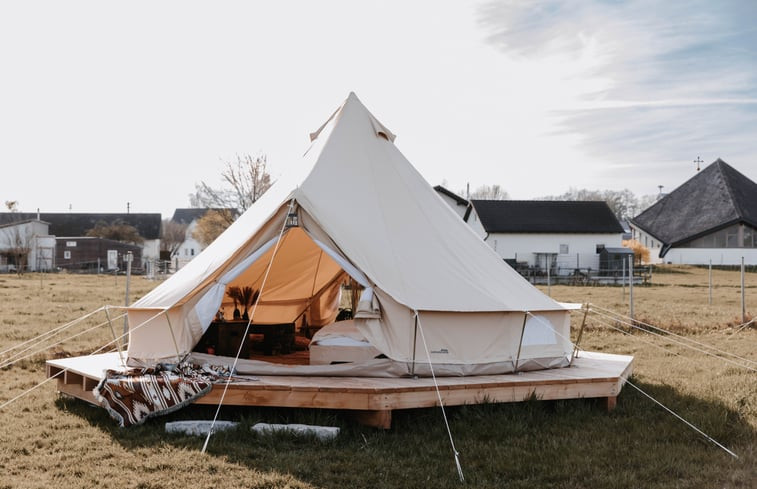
(77, 391)
(377, 419)
(70, 377)
(612, 401)
(593, 375)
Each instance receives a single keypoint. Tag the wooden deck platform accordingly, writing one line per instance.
(592, 375)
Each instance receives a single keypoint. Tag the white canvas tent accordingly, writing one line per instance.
(362, 211)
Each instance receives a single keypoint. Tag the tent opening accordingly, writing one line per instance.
(305, 290)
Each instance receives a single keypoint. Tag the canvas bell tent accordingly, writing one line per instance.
(353, 209)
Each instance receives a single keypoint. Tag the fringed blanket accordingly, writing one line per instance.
(133, 397)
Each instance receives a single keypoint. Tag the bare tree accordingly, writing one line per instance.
(489, 192)
(172, 234)
(246, 179)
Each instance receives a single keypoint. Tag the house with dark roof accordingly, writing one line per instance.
(191, 247)
(26, 245)
(563, 236)
(76, 225)
(712, 217)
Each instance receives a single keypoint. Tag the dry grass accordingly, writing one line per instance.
(53, 441)
(676, 299)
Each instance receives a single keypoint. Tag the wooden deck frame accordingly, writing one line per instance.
(372, 400)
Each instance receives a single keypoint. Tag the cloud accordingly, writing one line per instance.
(653, 82)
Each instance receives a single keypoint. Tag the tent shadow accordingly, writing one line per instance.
(570, 442)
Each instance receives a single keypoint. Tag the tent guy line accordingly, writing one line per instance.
(664, 331)
(441, 403)
(247, 328)
(630, 323)
(626, 381)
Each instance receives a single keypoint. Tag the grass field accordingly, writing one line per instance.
(51, 441)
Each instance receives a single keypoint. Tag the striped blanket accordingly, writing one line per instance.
(133, 397)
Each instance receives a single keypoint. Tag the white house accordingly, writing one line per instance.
(27, 245)
(190, 247)
(78, 224)
(710, 218)
(563, 235)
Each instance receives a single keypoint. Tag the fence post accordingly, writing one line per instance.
(743, 297)
(630, 284)
(623, 281)
(710, 281)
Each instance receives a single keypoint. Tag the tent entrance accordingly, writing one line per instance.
(300, 294)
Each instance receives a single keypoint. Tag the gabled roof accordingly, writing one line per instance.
(714, 198)
(187, 215)
(77, 224)
(546, 216)
(20, 221)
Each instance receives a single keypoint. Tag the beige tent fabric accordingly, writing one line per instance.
(364, 212)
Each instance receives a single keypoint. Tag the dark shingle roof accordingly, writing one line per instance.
(77, 224)
(715, 197)
(546, 216)
(187, 215)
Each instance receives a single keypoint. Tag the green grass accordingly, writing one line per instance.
(50, 441)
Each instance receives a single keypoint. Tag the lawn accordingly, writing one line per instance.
(52, 441)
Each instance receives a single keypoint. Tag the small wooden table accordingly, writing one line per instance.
(224, 338)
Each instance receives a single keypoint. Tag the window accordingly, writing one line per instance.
(192, 252)
(564, 249)
(66, 255)
(70, 244)
(736, 236)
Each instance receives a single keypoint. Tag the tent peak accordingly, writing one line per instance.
(352, 100)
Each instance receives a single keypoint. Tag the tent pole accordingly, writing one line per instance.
(415, 342)
(115, 339)
(173, 337)
(580, 333)
(520, 343)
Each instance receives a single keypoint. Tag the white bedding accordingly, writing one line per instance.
(340, 342)
(342, 333)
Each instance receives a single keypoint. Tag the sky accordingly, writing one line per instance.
(104, 103)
